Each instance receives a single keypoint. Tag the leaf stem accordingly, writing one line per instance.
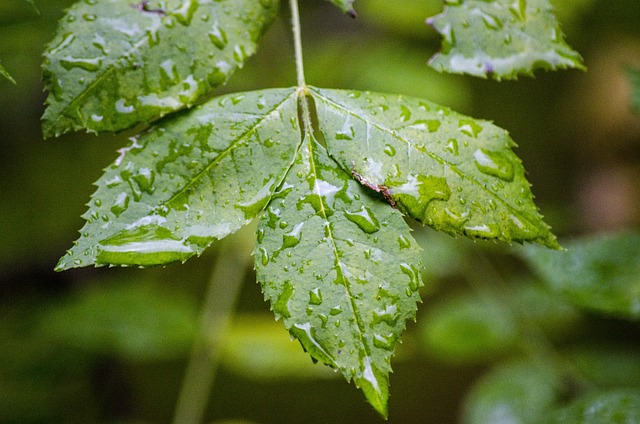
(295, 24)
(220, 299)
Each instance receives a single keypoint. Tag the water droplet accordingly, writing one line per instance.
(469, 127)
(495, 164)
(264, 256)
(387, 315)
(405, 113)
(315, 296)
(390, 150)
(364, 219)
(346, 133)
(89, 17)
(281, 305)
(432, 125)
(292, 238)
(260, 235)
(336, 310)
(88, 64)
(482, 231)
(491, 22)
(414, 276)
(452, 146)
(120, 204)
(305, 333)
(185, 13)
(448, 33)
(122, 107)
(404, 242)
(384, 341)
(519, 8)
(239, 53)
(145, 245)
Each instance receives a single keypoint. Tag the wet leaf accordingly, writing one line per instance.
(515, 392)
(346, 6)
(190, 180)
(340, 268)
(451, 172)
(634, 77)
(600, 273)
(114, 63)
(4, 73)
(611, 407)
(500, 39)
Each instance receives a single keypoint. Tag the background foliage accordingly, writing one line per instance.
(90, 345)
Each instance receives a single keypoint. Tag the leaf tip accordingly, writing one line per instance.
(375, 387)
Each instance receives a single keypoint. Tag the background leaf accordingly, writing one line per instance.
(514, 392)
(612, 407)
(346, 6)
(500, 39)
(190, 180)
(448, 171)
(340, 268)
(4, 73)
(634, 77)
(599, 273)
(114, 64)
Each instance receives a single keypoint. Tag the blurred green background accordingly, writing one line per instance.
(111, 345)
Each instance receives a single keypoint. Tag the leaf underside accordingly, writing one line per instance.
(500, 39)
(114, 63)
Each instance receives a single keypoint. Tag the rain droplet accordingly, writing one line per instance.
(519, 8)
(315, 296)
(384, 341)
(414, 276)
(452, 146)
(120, 204)
(469, 127)
(390, 150)
(292, 238)
(88, 64)
(264, 256)
(364, 219)
(404, 242)
(495, 164)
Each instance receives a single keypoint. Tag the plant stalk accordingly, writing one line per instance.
(297, 42)
(220, 299)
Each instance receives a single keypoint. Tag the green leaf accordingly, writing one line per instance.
(340, 268)
(515, 392)
(190, 180)
(600, 273)
(114, 64)
(346, 6)
(4, 73)
(128, 320)
(500, 39)
(634, 77)
(611, 407)
(449, 171)
(467, 329)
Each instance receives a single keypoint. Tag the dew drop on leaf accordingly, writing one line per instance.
(494, 163)
(364, 219)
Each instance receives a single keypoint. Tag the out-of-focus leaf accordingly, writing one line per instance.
(346, 6)
(4, 73)
(607, 367)
(601, 273)
(634, 77)
(406, 17)
(448, 171)
(611, 407)
(518, 392)
(539, 307)
(257, 347)
(127, 320)
(190, 180)
(340, 268)
(500, 39)
(467, 329)
(114, 63)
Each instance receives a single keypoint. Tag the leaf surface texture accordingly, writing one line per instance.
(340, 268)
(500, 39)
(454, 173)
(114, 63)
(189, 180)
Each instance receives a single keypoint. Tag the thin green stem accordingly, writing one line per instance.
(297, 42)
(222, 292)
